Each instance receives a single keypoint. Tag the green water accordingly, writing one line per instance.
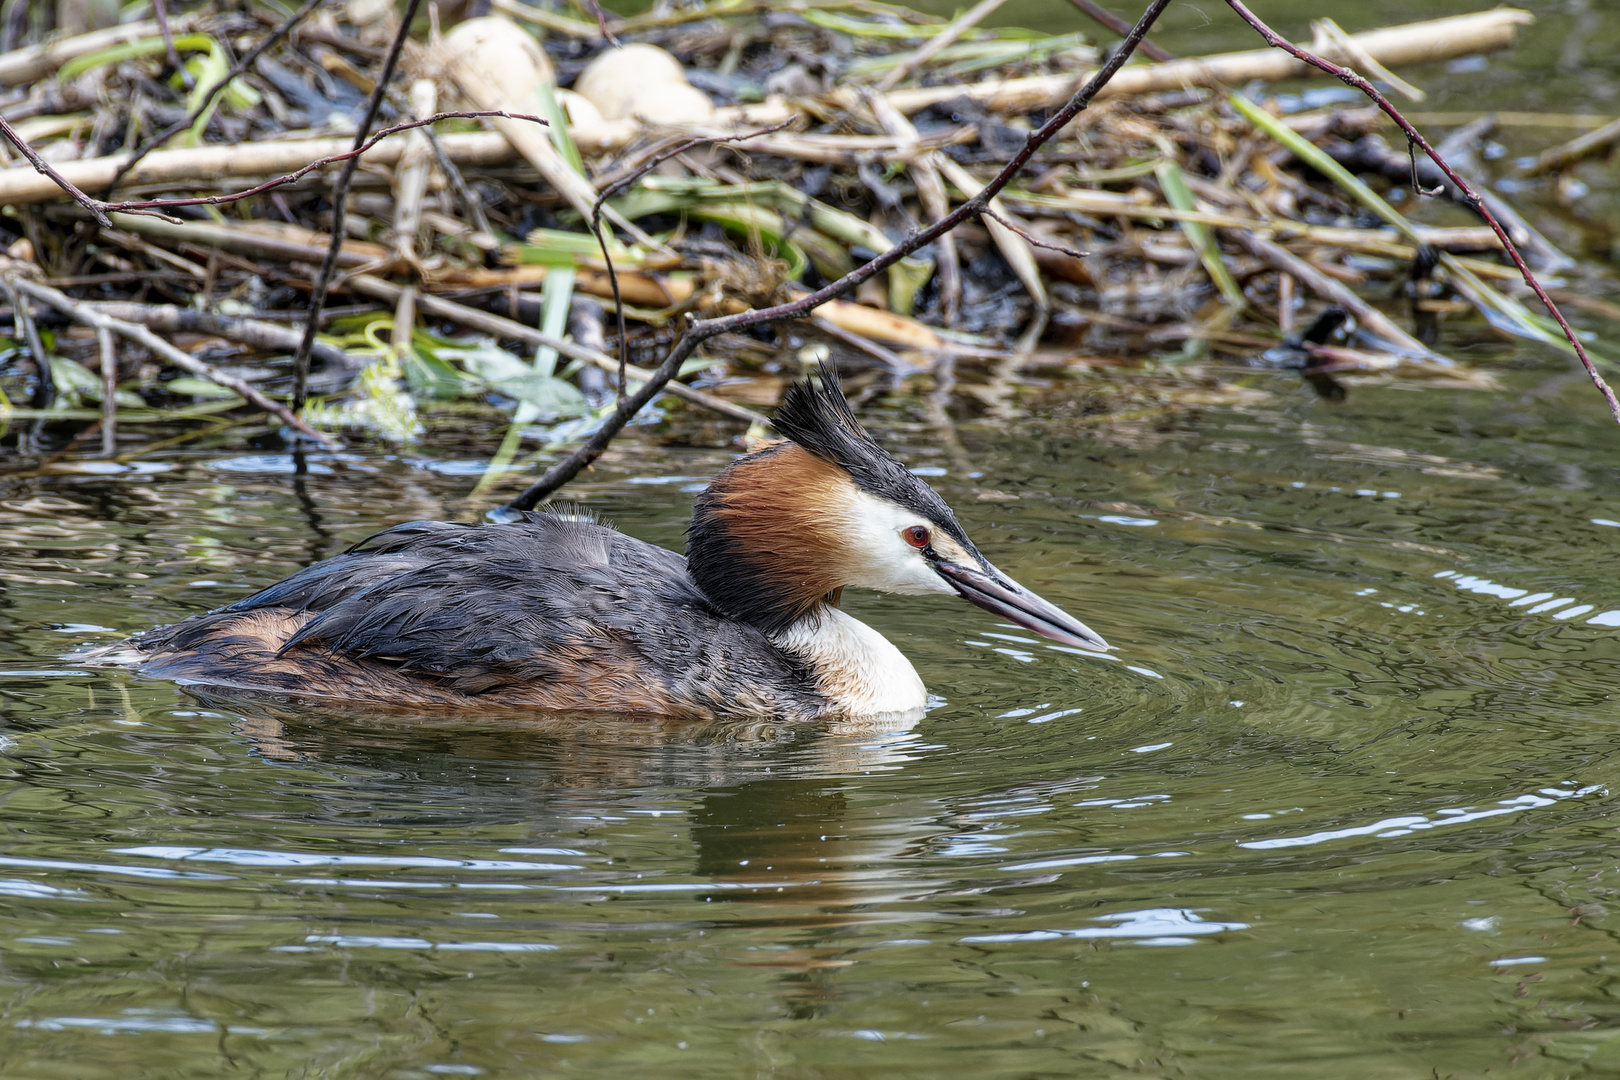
(1339, 807)
(1334, 811)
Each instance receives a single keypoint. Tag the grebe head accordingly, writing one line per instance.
(784, 530)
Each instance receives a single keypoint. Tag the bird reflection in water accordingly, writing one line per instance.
(765, 805)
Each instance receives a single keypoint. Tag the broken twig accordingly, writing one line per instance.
(340, 199)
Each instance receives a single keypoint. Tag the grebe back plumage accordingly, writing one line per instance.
(557, 613)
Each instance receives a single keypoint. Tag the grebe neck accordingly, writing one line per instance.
(764, 542)
(860, 671)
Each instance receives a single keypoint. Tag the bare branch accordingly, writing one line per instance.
(1120, 26)
(1048, 245)
(340, 203)
(625, 181)
(43, 166)
(161, 14)
(1469, 194)
(241, 66)
(601, 22)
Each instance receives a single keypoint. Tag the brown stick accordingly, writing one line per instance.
(82, 313)
(340, 205)
(699, 332)
(601, 22)
(1470, 196)
(161, 14)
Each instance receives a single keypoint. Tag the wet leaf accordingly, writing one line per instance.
(430, 376)
(76, 384)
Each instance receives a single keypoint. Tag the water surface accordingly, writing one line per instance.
(1338, 808)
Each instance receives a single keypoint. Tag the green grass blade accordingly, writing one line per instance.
(1498, 308)
(1199, 236)
(117, 54)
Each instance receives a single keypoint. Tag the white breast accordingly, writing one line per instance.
(859, 669)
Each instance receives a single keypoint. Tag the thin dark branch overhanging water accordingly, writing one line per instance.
(340, 200)
(698, 332)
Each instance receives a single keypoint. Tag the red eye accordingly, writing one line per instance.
(916, 536)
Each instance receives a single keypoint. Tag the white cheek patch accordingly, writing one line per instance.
(879, 558)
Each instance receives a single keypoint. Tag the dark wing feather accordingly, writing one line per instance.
(542, 602)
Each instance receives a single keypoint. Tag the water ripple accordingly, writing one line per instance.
(1152, 926)
(1410, 823)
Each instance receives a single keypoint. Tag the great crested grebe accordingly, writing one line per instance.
(558, 613)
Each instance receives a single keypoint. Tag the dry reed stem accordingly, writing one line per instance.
(1395, 46)
(1334, 292)
(501, 327)
(293, 159)
(37, 61)
(1566, 154)
(83, 313)
(938, 43)
(931, 194)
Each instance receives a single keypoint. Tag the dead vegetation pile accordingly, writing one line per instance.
(723, 158)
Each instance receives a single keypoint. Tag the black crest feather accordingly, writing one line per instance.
(815, 414)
